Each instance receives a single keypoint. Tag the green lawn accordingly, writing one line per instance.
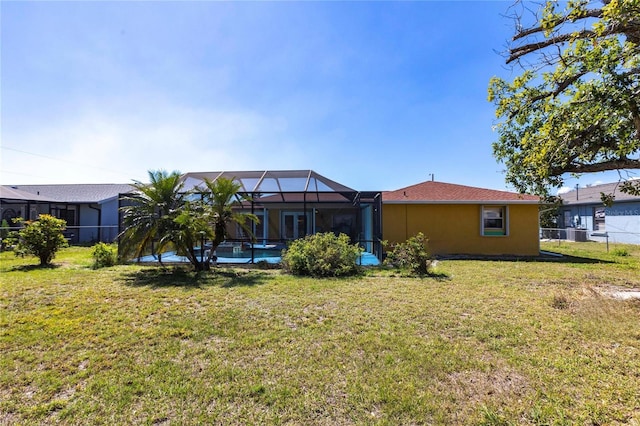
(488, 342)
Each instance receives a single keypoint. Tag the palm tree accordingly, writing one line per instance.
(150, 213)
(191, 231)
(160, 215)
(220, 199)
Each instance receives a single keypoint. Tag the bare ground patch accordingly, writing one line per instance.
(473, 389)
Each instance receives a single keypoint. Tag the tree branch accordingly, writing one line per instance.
(623, 163)
(561, 86)
(630, 30)
(592, 13)
(518, 52)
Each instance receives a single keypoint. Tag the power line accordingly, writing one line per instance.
(62, 160)
(21, 174)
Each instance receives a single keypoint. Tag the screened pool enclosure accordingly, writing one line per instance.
(291, 204)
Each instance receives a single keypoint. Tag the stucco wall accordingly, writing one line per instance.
(110, 218)
(456, 228)
(622, 221)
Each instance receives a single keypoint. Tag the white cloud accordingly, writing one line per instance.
(564, 190)
(112, 145)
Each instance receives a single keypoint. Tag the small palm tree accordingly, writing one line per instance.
(150, 214)
(160, 215)
(192, 230)
(220, 199)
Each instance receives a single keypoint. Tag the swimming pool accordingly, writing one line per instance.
(244, 256)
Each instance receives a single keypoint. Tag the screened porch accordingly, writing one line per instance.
(291, 204)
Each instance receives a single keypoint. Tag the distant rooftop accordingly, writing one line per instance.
(14, 194)
(591, 194)
(431, 191)
(74, 193)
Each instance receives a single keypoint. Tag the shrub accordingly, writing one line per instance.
(413, 255)
(103, 255)
(8, 238)
(41, 238)
(322, 255)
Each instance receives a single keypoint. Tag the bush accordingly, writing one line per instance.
(413, 255)
(103, 255)
(8, 238)
(41, 238)
(322, 255)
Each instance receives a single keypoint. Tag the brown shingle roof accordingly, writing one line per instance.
(431, 191)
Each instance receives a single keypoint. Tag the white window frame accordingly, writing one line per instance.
(505, 221)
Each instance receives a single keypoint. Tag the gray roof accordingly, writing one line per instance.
(591, 194)
(76, 193)
(11, 193)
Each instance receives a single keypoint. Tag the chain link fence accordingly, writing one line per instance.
(578, 235)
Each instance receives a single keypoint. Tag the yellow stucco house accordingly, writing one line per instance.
(460, 219)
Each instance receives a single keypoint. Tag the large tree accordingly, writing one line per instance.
(575, 106)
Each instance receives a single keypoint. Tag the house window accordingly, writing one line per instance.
(598, 219)
(494, 220)
(66, 213)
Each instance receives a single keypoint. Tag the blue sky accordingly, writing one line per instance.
(374, 95)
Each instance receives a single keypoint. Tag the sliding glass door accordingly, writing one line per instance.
(293, 225)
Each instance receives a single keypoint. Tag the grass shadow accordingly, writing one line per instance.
(405, 273)
(551, 257)
(564, 258)
(438, 276)
(27, 268)
(184, 277)
(242, 278)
